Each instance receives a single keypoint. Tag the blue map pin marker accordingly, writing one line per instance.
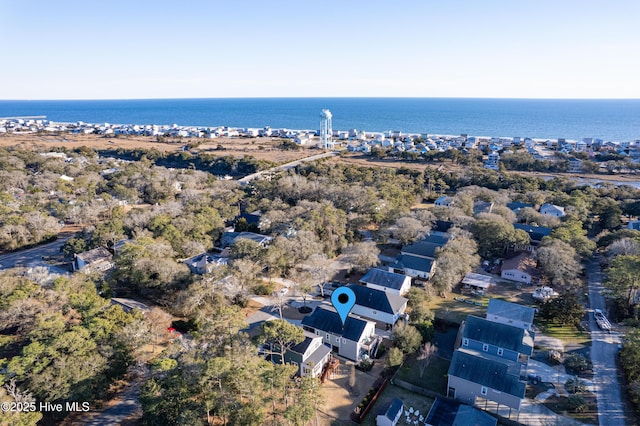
(343, 299)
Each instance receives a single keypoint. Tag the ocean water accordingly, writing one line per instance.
(617, 120)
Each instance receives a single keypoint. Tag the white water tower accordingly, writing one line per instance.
(326, 133)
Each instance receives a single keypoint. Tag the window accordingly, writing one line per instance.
(465, 342)
(374, 312)
(337, 339)
(485, 347)
(483, 390)
(344, 340)
(500, 351)
(328, 336)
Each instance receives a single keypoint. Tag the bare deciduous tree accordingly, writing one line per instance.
(426, 355)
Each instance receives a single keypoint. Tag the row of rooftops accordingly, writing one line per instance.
(27, 124)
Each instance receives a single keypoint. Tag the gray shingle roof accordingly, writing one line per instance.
(378, 300)
(511, 310)
(413, 262)
(422, 248)
(500, 335)
(329, 321)
(486, 372)
(383, 278)
(445, 412)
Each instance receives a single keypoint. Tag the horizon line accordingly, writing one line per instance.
(317, 97)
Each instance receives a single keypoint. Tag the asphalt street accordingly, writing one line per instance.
(604, 348)
(33, 256)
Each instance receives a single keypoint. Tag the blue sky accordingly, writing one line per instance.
(67, 49)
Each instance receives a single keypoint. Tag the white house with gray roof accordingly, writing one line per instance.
(380, 306)
(511, 314)
(351, 340)
(386, 281)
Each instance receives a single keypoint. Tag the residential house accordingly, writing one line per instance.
(447, 412)
(380, 306)
(516, 206)
(387, 281)
(228, 238)
(498, 339)
(492, 161)
(536, 233)
(204, 263)
(475, 377)
(444, 201)
(351, 341)
(510, 313)
(482, 207)
(441, 228)
(97, 260)
(552, 210)
(575, 166)
(310, 355)
(391, 414)
(521, 268)
(634, 225)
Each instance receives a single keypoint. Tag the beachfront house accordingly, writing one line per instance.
(351, 341)
(512, 314)
(380, 306)
(385, 281)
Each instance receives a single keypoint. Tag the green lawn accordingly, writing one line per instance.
(452, 310)
(434, 377)
(569, 334)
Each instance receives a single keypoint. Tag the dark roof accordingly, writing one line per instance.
(442, 226)
(536, 233)
(384, 278)
(517, 205)
(436, 239)
(413, 262)
(252, 219)
(302, 347)
(497, 334)
(510, 310)
(482, 207)
(229, 238)
(443, 412)
(329, 321)
(378, 300)
(487, 372)
(394, 408)
(446, 412)
(422, 248)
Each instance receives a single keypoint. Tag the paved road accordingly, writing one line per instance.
(33, 255)
(604, 346)
(284, 167)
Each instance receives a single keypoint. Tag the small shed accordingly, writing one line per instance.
(390, 415)
(477, 282)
